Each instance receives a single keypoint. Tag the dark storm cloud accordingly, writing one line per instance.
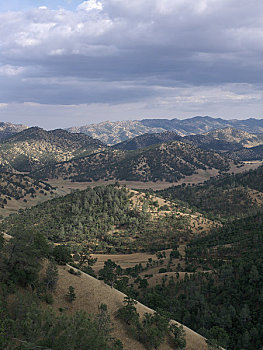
(120, 50)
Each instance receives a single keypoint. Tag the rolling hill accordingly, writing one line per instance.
(224, 196)
(109, 219)
(35, 147)
(237, 136)
(247, 154)
(146, 140)
(164, 162)
(220, 140)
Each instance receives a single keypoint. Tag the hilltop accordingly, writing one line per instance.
(146, 140)
(164, 162)
(35, 147)
(233, 135)
(116, 132)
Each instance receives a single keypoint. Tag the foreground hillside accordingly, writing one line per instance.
(90, 293)
(165, 162)
(225, 303)
(45, 305)
(35, 147)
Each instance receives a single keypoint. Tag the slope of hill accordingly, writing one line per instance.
(19, 191)
(106, 219)
(215, 141)
(115, 132)
(233, 135)
(229, 195)
(247, 154)
(90, 293)
(9, 129)
(146, 140)
(35, 147)
(87, 319)
(165, 162)
(226, 303)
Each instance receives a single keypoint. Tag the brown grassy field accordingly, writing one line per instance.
(91, 293)
(66, 186)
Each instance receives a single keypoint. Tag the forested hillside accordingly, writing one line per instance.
(104, 218)
(225, 196)
(165, 162)
(248, 154)
(35, 147)
(224, 304)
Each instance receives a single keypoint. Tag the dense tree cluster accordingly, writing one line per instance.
(223, 196)
(225, 304)
(101, 217)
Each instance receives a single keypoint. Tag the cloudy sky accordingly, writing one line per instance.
(65, 63)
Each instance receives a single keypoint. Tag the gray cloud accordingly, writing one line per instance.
(122, 51)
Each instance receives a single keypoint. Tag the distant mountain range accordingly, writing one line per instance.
(115, 132)
(227, 139)
(9, 129)
(162, 156)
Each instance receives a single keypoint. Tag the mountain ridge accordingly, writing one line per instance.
(115, 132)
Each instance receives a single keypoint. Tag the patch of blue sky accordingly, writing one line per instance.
(25, 5)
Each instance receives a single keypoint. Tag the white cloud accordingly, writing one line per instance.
(7, 70)
(120, 51)
(90, 5)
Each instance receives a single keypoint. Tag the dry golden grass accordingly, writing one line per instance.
(91, 293)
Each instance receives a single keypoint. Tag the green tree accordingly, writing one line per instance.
(61, 254)
(71, 295)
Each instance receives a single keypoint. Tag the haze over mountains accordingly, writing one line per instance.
(114, 132)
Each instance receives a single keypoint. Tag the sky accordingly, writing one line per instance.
(65, 63)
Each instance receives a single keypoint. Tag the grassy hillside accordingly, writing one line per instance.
(45, 305)
(165, 162)
(35, 147)
(108, 219)
(226, 196)
(20, 191)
